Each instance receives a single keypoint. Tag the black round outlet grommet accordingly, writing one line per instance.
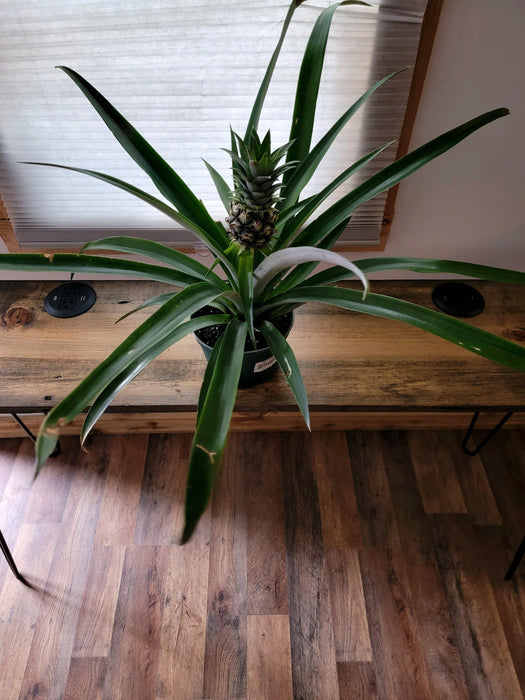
(71, 299)
(458, 299)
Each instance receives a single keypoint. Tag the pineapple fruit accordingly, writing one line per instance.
(253, 214)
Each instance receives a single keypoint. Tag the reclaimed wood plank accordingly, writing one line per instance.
(349, 621)
(180, 671)
(503, 459)
(357, 679)
(20, 606)
(99, 602)
(120, 502)
(267, 592)
(56, 478)
(314, 668)
(8, 451)
(430, 607)
(438, 482)
(386, 368)
(509, 595)
(335, 484)
(225, 651)
(48, 663)
(161, 507)
(473, 481)
(114, 423)
(396, 647)
(86, 678)
(13, 504)
(487, 662)
(269, 661)
(377, 517)
(134, 652)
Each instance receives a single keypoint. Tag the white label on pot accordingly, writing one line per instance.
(265, 364)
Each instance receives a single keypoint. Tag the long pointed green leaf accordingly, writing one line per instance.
(208, 374)
(157, 251)
(423, 265)
(308, 87)
(107, 395)
(253, 121)
(246, 288)
(69, 262)
(165, 319)
(154, 301)
(304, 171)
(223, 190)
(213, 425)
(391, 175)
(163, 176)
(215, 243)
(467, 336)
(314, 202)
(284, 355)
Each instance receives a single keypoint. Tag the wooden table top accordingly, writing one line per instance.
(349, 361)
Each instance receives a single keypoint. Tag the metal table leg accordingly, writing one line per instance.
(517, 558)
(11, 561)
(482, 444)
(31, 435)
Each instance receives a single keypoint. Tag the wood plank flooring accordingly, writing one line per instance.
(332, 565)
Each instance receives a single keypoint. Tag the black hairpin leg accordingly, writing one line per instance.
(517, 558)
(9, 557)
(482, 444)
(31, 435)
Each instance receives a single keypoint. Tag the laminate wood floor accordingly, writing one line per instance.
(332, 565)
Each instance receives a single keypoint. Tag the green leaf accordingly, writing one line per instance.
(215, 243)
(208, 374)
(70, 262)
(284, 355)
(390, 176)
(463, 334)
(221, 185)
(122, 379)
(308, 87)
(423, 265)
(314, 202)
(163, 176)
(246, 289)
(164, 320)
(253, 121)
(213, 425)
(304, 171)
(157, 251)
(154, 301)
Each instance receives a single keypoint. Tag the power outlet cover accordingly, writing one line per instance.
(458, 299)
(71, 299)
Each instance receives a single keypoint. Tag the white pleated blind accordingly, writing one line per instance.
(181, 72)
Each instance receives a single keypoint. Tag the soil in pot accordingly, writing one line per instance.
(259, 363)
(211, 334)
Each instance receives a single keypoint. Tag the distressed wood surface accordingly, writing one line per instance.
(323, 568)
(350, 361)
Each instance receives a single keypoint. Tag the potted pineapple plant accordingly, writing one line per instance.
(264, 262)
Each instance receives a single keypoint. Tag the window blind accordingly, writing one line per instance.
(182, 73)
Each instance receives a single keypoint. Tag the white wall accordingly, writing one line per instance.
(469, 204)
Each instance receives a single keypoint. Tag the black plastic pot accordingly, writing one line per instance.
(257, 366)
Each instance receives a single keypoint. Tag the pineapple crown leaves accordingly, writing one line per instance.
(255, 167)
